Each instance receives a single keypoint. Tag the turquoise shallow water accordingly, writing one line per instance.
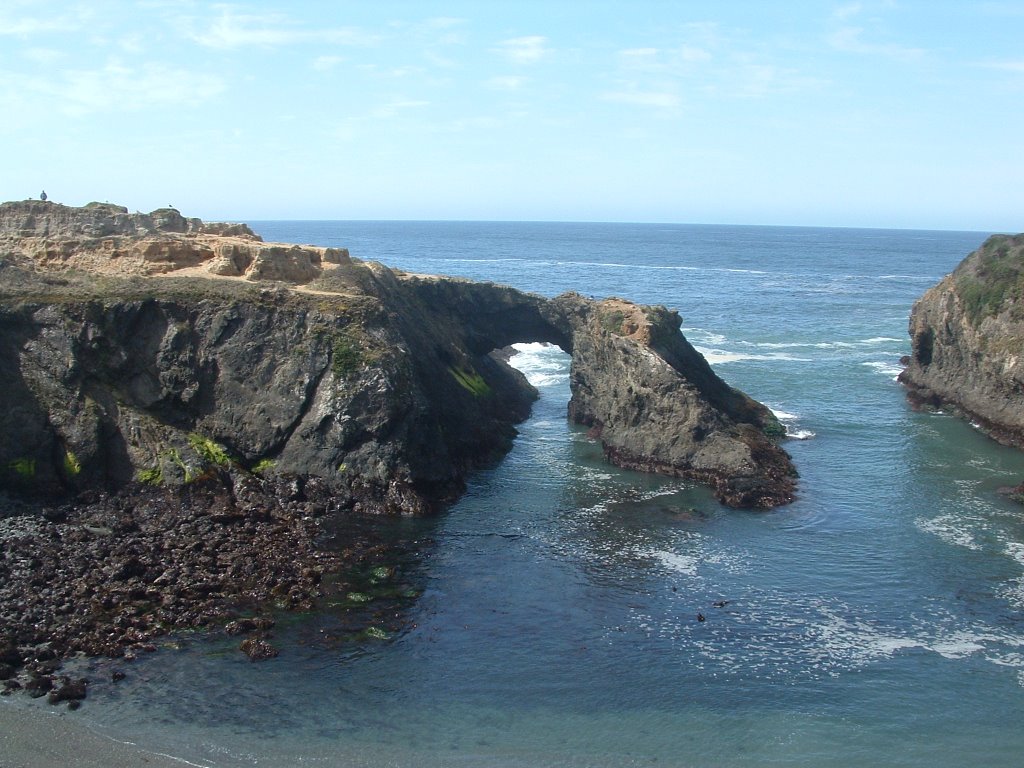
(877, 620)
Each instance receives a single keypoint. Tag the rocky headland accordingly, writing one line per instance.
(188, 411)
(967, 336)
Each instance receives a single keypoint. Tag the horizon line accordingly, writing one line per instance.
(613, 222)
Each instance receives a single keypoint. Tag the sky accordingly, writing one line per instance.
(879, 113)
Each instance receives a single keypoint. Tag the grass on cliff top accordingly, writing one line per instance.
(611, 320)
(991, 281)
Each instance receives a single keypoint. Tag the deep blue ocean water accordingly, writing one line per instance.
(878, 620)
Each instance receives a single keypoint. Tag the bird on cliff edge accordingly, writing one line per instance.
(42, 195)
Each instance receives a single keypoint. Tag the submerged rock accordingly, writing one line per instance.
(258, 649)
(68, 690)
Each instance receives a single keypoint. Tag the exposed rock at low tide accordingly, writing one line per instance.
(258, 649)
(116, 573)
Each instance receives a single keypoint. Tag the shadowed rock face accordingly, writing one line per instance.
(967, 334)
(379, 383)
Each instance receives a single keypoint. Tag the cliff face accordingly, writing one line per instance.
(117, 367)
(968, 340)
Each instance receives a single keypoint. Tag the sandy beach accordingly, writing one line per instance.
(37, 738)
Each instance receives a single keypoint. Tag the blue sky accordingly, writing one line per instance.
(876, 113)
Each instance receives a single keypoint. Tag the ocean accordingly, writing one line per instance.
(878, 620)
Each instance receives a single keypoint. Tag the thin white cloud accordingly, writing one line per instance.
(851, 40)
(505, 82)
(659, 99)
(447, 29)
(325, 63)
(231, 30)
(847, 12)
(116, 87)
(760, 80)
(630, 54)
(677, 60)
(27, 26)
(395, 106)
(438, 60)
(692, 54)
(707, 60)
(43, 55)
(444, 22)
(639, 60)
(133, 43)
(1005, 66)
(1002, 9)
(849, 37)
(524, 50)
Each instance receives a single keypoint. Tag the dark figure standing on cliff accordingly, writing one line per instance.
(42, 195)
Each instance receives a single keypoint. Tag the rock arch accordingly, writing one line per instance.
(648, 396)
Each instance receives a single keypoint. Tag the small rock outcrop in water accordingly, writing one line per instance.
(967, 334)
(129, 356)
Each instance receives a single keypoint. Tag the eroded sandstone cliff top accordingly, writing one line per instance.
(101, 238)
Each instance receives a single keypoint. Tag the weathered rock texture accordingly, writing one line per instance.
(381, 384)
(106, 239)
(968, 340)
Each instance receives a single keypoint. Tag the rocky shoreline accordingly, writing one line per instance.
(188, 411)
(107, 575)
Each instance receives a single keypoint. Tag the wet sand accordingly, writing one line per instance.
(37, 738)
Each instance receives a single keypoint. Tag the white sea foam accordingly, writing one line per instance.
(719, 356)
(957, 647)
(704, 335)
(952, 529)
(889, 369)
(799, 434)
(678, 563)
(828, 638)
(1013, 590)
(542, 364)
(1016, 550)
(489, 261)
(660, 267)
(783, 344)
(788, 420)
(834, 344)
